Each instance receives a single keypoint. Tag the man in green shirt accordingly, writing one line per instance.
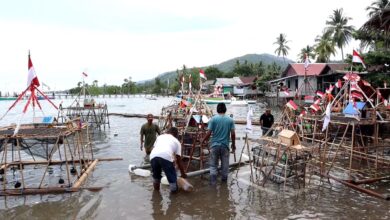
(150, 131)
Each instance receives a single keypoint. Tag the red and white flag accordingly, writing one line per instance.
(317, 102)
(339, 84)
(357, 95)
(85, 74)
(355, 87)
(202, 74)
(307, 61)
(309, 99)
(291, 104)
(365, 83)
(351, 77)
(315, 107)
(32, 76)
(303, 113)
(356, 58)
(286, 92)
(330, 89)
(320, 94)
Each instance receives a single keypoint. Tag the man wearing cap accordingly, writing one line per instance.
(266, 122)
(150, 131)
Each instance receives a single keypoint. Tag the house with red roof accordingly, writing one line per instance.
(306, 81)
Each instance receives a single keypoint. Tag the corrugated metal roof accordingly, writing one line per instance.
(226, 81)
(248, 79)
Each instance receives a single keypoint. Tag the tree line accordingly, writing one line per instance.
(374, 35)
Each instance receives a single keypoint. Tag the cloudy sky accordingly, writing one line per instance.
(115, 39)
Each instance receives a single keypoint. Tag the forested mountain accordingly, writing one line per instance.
(228, 66)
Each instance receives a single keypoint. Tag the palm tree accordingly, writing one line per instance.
(377, 6)
(339, 30)
(282, 48)
(309, 50)
(324, 48)
(376, 31)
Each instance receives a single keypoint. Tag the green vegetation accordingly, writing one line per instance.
(374, 35)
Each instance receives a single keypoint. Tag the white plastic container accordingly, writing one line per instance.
(132, 168)
(142, 172)
(164, 180)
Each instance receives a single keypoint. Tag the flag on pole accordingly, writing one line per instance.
(356, 58)
(202, 74)
(317, 101)
(320, 94)
(354, 87)
(309, 99)
(307, 61)
(291, 104)
(32, 79)
(327, 117)
(339, 84)
(286, 92)
(249, 115)
(315, 107)
(330, 89)
(303, 113)
(190, 82)
(365, 83)
(357, 95)
(84, 74)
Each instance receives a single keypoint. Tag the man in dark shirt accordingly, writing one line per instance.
(150, 131)
(266, 122)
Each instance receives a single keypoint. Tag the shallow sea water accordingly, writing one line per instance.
(126, 196)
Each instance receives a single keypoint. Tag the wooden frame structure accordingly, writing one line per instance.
(66, 163)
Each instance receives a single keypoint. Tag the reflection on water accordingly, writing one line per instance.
(125, 196)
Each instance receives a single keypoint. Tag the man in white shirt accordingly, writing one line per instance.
(167, 150)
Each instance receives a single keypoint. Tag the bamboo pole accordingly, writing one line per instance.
(85, 174)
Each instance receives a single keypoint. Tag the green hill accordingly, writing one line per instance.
(228, 65)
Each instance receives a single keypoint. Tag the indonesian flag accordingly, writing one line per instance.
(315, 107)
(356, 58)
(291, 104)
(320, 94)
(317, 102)
(309, 99)
(85, 74)
(339, 84)
(352, 77)
(307, 61)
(202, 74)
(286, 92)
(303, 113)
(354, 87)
(365, 83)
(330, 89)
(32, 76)
(190, 82)
(357, 95)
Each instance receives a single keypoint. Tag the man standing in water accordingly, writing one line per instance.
(221, 126)
(166, 150)
(150, 131)
(266, 122)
